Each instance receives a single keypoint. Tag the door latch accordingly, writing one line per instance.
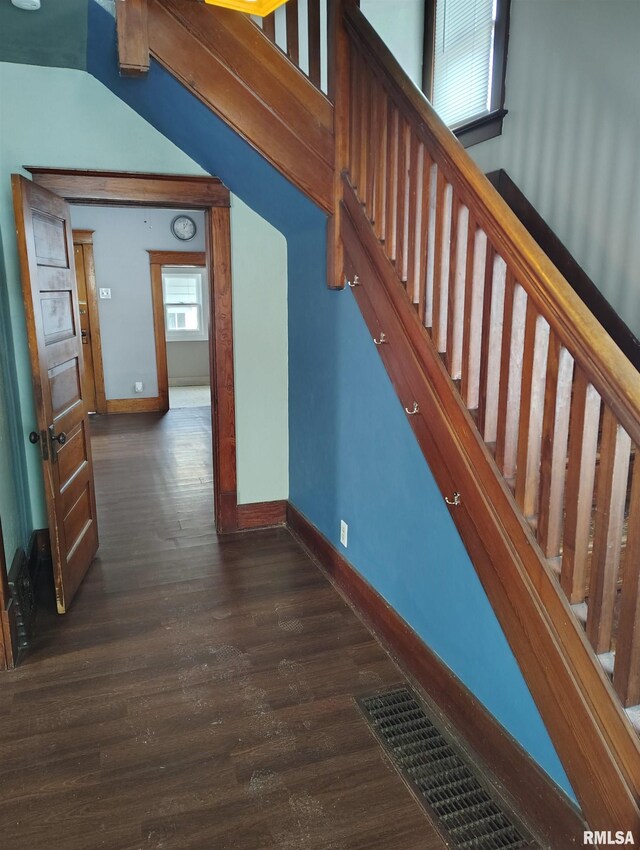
(36, 437)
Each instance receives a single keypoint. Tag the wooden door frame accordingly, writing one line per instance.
(118, 188)
(85, 238)
(158, 259)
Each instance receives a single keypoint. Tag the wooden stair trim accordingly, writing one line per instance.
(593, 736)
(246, 52)
(548, 811)
(611, 373)
(133, 37)
(298, 141)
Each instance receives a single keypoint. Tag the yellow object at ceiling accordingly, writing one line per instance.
(251, 7)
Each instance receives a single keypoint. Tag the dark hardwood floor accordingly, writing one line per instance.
(200, 692)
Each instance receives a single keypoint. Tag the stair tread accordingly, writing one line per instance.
(633, 713)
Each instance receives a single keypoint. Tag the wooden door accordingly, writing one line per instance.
(93, 388)
(45, 246)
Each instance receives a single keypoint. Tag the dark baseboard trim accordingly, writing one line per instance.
(548, 811)
(261, 515)
(8, 635)
(18, 620)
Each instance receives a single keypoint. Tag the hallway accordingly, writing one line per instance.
(199, 694)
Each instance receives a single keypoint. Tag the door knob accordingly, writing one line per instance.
(60, 439)
(34, 438)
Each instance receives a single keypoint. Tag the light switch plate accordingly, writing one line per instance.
(105, 292)
(344, 533)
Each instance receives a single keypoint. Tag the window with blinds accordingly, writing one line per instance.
(184, 314)
(463, 59)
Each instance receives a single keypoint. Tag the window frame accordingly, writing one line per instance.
(485, 126)
(182, 334)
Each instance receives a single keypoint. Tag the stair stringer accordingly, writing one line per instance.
(594, 739)
(226, 62)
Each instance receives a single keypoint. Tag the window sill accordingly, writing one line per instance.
(481, 129)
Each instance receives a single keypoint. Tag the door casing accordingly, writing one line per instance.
(117, 188)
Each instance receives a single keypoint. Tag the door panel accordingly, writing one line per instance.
(50, 294)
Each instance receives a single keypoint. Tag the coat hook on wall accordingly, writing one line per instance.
(382, 340)
(415, 409)
(354, 282)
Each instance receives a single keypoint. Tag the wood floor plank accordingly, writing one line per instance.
(200, 693)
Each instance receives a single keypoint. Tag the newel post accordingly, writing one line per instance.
(339, 92)
(133, 37)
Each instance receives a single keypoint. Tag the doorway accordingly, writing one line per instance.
(93, 375)
(181, 308)
(211, 197)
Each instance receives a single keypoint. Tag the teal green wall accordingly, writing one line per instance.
(55, 35)
(13, 492)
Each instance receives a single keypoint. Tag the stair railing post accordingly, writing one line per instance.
(133, 37)
(339, 84)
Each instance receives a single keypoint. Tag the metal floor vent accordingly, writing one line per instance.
(463, 809)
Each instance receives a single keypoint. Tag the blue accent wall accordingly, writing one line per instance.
(352, 452)
(353, 456)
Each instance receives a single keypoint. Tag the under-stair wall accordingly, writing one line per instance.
(353, 456)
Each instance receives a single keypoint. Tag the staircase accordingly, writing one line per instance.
(526, 410)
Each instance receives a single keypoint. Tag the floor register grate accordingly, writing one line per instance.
(464, 809)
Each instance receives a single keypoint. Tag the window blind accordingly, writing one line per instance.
(183, 289)
(463, 58)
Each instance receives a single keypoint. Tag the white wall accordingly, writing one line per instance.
(188, 363)
(122, 236)
(260, 348)
(571, 138)
(400, 24)
(65, 118)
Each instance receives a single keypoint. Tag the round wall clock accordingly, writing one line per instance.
(183, 227)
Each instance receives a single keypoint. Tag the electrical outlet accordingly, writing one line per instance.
(105, 292)
(344, 533)
(138, 386)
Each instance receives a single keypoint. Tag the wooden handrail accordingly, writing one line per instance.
(551, 398)
(610, 372)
